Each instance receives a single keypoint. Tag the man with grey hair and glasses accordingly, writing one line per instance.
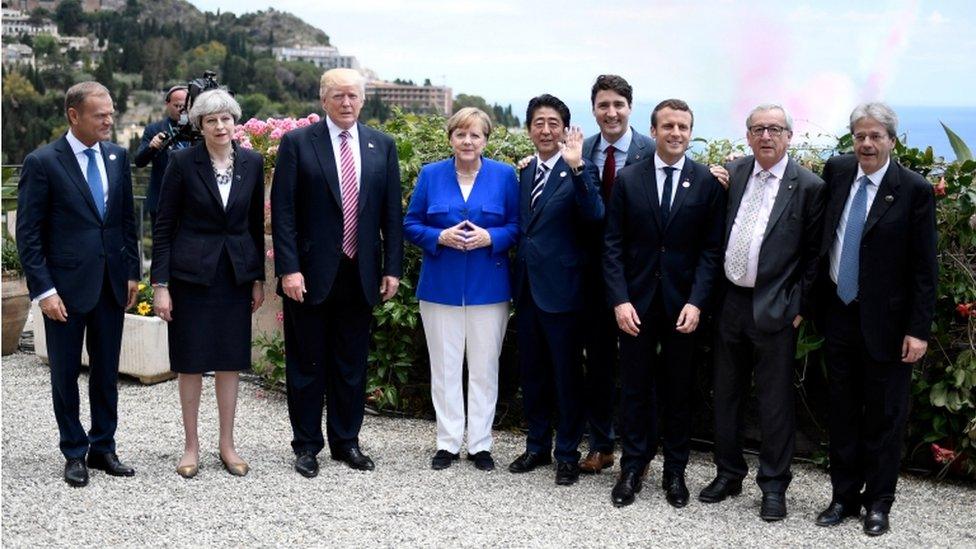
(880, 276)
(772, 245)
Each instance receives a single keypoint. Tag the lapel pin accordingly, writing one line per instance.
(237, 177)
(686, 184)
(789, 187)
(889, 198)
(637, 157)
(370, 145)
(111, 157)
(562, 174)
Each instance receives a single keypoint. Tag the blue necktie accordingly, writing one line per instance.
(95, 182)
(850, 255)
(666, 195)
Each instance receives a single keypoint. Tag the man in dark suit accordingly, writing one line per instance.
(77, 241)
(879, 249)
(337, 223)
(662, 256)
(559, 194)
(156, 144)
(617, 145)
(772, 240)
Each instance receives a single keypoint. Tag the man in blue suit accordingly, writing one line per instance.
(77, 241)
(155, 145)
(337, 220)
(662, 255)
(611, 97)
(558, 195)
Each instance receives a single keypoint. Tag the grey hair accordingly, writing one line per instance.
(341, 77)
(771, 107)
(213, 102)
(76, 95)
(879, 112)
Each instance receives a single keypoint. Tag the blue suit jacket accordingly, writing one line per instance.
(681, 258)
(454, 277)
(306, 211)
(63, 242)
(641, 147)
(552, 252)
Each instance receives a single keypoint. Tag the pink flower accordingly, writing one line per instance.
(280, 317)
(940, 187)
(270, 253)
(313, 118)
(255, 127)
(277, 133)
(267, 206)
(302, 122)
(246, 144)
(942, 455)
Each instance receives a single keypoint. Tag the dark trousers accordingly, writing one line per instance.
(600, 364)
(868, 409)
(741, 348)
(101, 329)
(550, 361)
(656, 369)
(326, 348)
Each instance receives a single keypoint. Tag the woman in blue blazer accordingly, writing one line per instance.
(464, 216)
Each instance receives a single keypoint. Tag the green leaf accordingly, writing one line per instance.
(938, 395)
(958, 145)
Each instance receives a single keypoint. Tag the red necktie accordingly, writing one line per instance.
(350, 196)
(609, 172)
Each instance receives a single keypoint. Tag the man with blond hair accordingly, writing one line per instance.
(338, 247)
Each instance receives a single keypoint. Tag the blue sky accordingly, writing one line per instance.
(817, 58)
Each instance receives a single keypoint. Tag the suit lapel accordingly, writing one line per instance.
(648, 179)
(738, 180)
(787, 189)
(240, 176)
(112, 173)
(679, 190)
(71, 167)
(369, 157)
(636, 150)
(527, 179)
(559, 172)
(887, 194)
(322, 145)
(838, 201)
(206, 173)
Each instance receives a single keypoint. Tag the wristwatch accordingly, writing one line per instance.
(578, 170)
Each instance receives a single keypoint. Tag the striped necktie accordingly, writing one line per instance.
(539, 184)
(350, 196)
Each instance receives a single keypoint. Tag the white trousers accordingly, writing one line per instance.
(452, 332)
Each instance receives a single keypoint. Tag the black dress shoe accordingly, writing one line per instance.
(567, 473)
(773, 506)
(628, 485)
(719, 489)
(528, 461)
(75, 472)
(876, 522)
(443, 459)
(354, 458)
(836, 512)
(482, 460)
(109, 462)
(307, 465)
(675, 490)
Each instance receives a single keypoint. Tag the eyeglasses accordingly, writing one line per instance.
(774, 131)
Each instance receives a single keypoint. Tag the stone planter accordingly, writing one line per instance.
(16, 305)
(145, 349)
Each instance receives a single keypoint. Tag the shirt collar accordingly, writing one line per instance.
(77, 147)
(335, 130)
(622, 144)
(551, 163)
(660, 164)
(778, 169)
(876, 177)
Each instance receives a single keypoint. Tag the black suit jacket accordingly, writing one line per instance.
(63, 243)
(551, 252)
(159, 159)
(898, 272)
(193, 228)
(306, 210)
(790, 252)
(680, 259)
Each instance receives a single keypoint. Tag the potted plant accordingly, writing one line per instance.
(16, 301)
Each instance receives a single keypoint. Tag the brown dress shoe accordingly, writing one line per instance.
(596, 462)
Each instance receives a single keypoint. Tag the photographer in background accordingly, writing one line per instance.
(156, 143)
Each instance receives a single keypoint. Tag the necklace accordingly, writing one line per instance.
(466, 174)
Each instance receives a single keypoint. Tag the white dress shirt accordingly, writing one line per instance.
(769, 190)
(872, 190)
(353, 141)
(551, 164)
(79, 148)
(659, 166)
(621, 146)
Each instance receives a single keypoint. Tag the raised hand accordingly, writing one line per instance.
(572, 147)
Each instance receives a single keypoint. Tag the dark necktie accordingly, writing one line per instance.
(539, 184)
(609, 172)
(95, 182)
(666, 195)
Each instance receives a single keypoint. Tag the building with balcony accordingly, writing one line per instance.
(433, 99)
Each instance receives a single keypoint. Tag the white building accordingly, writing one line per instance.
(16, 23)
(324, 57)
(18, 54)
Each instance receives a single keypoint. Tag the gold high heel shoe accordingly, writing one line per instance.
(238, 469)
(187, 471)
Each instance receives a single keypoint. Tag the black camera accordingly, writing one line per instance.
(183, 131)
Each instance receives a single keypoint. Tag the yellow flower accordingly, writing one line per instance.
(144, 309)
(142, 286)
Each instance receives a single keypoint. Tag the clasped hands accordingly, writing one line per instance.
(464, 236)
(629, 322)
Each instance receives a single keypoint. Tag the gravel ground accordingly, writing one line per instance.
(402, 503)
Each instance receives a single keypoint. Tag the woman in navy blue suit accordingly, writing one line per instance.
(208, 267)
(464, 216)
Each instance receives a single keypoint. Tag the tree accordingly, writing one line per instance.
(69, 17)
(374, 108)
(205, 57)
